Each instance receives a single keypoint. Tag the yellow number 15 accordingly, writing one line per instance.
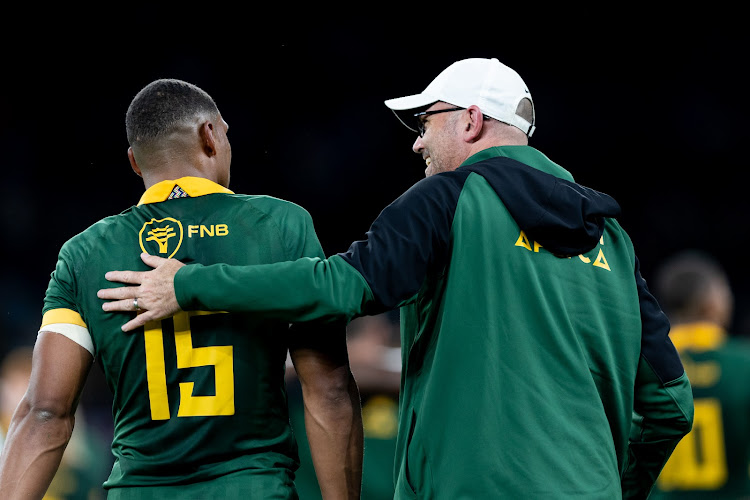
(187, 357)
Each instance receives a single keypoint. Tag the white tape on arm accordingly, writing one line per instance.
(76, 333)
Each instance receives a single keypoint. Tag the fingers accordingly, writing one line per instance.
(125, 292)
(119, 305)
(135, 277)
(152, 260)
(139, 321)
(128, 305)
(130, 277)
(150, 293)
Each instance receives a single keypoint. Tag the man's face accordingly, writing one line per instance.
(440, 146)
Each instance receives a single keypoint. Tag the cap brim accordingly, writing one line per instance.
(405, 107)
(411, 102)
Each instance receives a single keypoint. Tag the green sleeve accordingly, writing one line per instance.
(301, 290)
(663, 416)
(62, 302)
(61, 288)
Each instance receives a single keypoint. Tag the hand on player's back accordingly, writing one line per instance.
(154, 296)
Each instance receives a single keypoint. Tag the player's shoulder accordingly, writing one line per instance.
(95, 233)
(272, 205)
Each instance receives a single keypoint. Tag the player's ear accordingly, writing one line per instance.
(207, 138)
(133, 163)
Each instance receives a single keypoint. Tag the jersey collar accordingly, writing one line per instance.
(190, 186)
(699, 336)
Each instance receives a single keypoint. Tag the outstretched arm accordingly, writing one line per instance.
(43, 422)
(408, 240)
(299, 290)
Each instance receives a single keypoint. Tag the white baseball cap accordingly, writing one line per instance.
(487, 83)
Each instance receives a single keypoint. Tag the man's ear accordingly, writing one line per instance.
(473, 127)
(207, 138)
(133, 164)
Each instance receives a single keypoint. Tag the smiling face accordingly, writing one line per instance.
(441, 146)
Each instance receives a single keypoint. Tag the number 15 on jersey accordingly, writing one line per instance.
(221, 357)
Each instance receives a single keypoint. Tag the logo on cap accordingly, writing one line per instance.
(161, 237)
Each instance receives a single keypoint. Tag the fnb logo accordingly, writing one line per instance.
(158, 236)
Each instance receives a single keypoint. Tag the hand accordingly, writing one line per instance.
(155, 298)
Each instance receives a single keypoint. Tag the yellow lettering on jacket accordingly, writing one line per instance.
(523, 241)
(601, 262)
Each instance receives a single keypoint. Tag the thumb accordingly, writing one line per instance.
(152, 260)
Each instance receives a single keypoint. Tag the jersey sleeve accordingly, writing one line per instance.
(60, 313)
(663, 409)
(300, 290)
(408, 240)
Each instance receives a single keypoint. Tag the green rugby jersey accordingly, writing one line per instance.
(713, 461)
(199, 395)
(535, 361)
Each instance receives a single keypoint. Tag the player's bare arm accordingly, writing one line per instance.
(153, 294)
(333, 415)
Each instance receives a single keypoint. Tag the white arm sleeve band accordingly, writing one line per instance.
(77, 334)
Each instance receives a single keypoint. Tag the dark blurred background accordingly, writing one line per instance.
(652, 111)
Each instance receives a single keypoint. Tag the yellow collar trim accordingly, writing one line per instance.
(699, 336)
(193, 186)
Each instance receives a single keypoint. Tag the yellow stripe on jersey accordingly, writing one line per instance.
(54, 316)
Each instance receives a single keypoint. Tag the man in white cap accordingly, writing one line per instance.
(487, 89)
(535, 361)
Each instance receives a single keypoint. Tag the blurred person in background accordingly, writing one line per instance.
(713, 460)
(535, 361)
(199, 400)
(15, 371)
(375, 360)
(81, 470)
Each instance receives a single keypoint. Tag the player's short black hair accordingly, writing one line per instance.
(162, 105)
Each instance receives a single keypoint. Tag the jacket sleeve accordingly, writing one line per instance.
(663, 409)
(408, 240)
(300, 290)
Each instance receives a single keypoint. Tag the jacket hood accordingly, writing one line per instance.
(564, 217)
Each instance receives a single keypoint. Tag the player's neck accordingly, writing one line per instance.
(167, 174)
